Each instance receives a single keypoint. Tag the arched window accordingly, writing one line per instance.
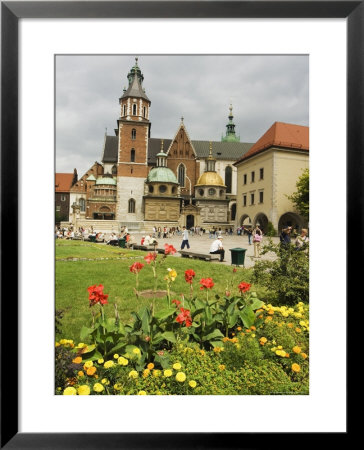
(82, 205)
(133, 133)
(124, 110)
(131, 206)
(132, 155)
(114, 170)
(181, 175)
(134, 109)
(144, 111)
(228, 178)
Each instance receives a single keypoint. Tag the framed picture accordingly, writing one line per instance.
(19, 216)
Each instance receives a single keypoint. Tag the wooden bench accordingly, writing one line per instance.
(203, 256)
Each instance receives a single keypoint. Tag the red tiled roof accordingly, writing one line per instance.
(63, 182)
(283, 135)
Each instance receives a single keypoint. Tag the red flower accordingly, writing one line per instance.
(189, 275)
(206, 283)
(169, 249)
(177, 302)
(227, 293)
(96, 295)
(235, 270)
(150, 257)
(184, 316)
(244, 287)
(136, 267)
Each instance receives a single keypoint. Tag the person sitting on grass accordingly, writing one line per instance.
(217, 248)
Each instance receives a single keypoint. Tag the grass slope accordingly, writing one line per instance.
(74, 277)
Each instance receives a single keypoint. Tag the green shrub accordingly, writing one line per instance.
(271, 231)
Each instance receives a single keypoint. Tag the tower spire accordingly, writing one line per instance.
(230, 129)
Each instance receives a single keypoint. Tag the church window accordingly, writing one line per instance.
(212, 191)
(63, 198)
(174, 190)
(114, 170)
(181, 175)
(151, 189)
(82, 205)
(134, 109)
(124, 110)
(162, 189)
(228, 178)
(133, 133)
(132, 155)
(131, 206)
(201, 192)
(144, 111)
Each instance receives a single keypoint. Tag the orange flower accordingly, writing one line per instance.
(271, 312)
(296, 349)
(81, 374)
(304, 356)
(295, 367)
(150, 366)
(268, 319)
(77, 360)
(91, 371)
(253, 328)
(290, 325)
(247, 331)
(298, 330)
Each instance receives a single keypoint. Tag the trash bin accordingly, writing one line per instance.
(122, 243)
(93, 238)
(238, 256)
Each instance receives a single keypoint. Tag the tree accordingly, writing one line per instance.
(301, 198)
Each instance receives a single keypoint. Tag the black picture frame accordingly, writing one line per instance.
(11, 13)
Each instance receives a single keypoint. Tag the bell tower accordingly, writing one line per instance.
(133, 133)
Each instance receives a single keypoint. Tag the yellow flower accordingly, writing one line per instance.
(192, 383)
(70, 391)
(91, 371)
(177, 366)
(81, 374)
(217, 349)
(296, 349)
(271, 312)
(109, 364)
(239, 328)
(181, 377)
(167, 373)
(295, 367)
(57, 344)
(253, 335)
(77, 360)
(279, 347)
(105, 381)
(88, 364)
(133, 374)
(146, 372)
(268, 319)
(156, 373)
(150, 366)
(98, 387)
(136, 351)
(172, 274)
(304, 356)
(116, 356)
(263, 340)
(298, 330)
(225, 339)
(117, 386)
(84, 390)
(100, 361)
(123, 361)
(290, 325)
(202, 352)
(222, 367)
(81, 345)
(142, 393)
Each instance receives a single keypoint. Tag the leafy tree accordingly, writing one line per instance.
(301, 197)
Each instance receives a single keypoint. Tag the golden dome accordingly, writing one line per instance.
(210, 179)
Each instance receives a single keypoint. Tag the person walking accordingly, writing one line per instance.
(249, 232)
(217, 248)
(185, 239)
(257, 239)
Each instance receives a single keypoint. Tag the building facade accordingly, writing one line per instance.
(267, 175)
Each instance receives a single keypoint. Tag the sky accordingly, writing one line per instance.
(262, 89)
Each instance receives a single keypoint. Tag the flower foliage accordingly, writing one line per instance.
(184, 317)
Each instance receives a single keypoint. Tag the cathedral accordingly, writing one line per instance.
(142, 181)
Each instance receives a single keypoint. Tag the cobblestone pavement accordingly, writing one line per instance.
(202, 244)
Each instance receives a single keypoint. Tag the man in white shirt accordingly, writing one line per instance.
(185, 239)
(217, 248)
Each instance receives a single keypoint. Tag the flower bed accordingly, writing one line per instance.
(199, 344)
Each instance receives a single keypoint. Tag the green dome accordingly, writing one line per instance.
(106, 180)
(161, 175)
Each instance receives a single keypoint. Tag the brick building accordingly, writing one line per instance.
(63, 183)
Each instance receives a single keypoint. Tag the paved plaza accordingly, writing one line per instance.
(201, 244)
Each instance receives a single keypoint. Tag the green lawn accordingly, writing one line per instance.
(74, 277)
